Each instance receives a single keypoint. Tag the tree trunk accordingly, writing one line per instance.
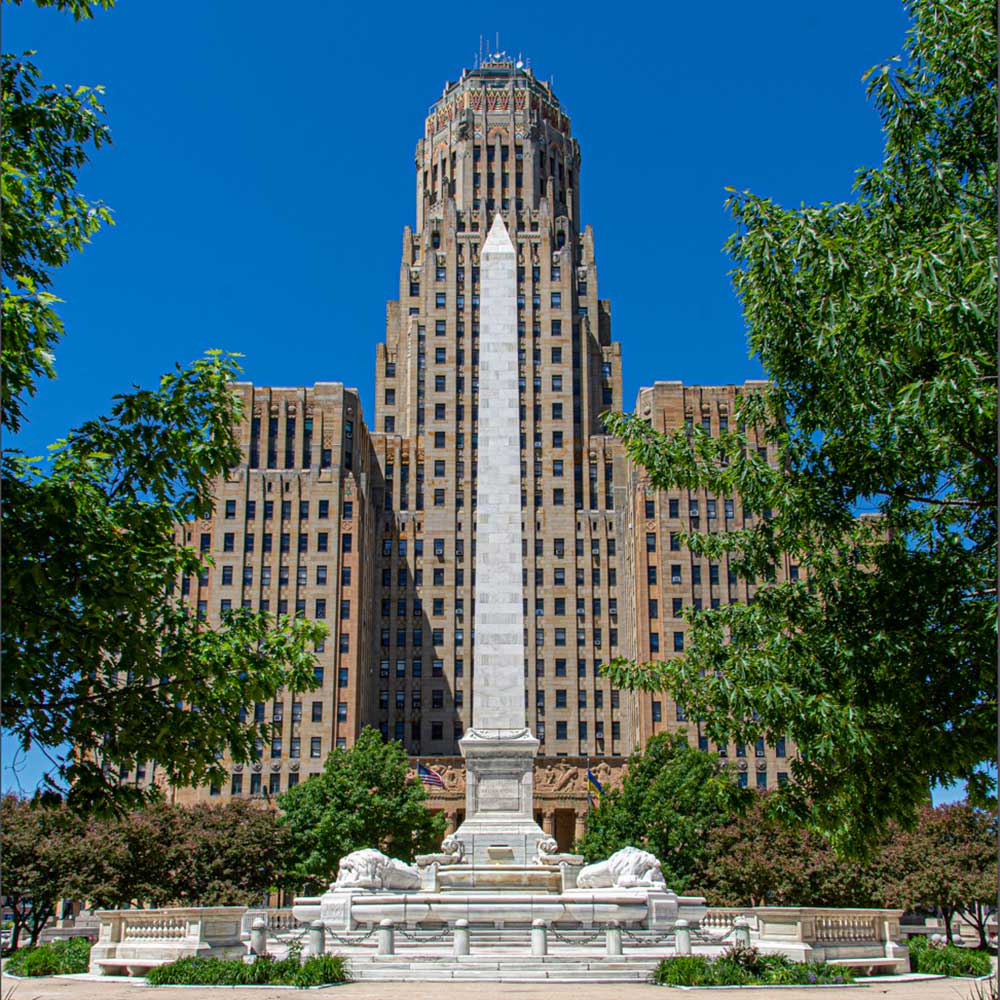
(948, 913)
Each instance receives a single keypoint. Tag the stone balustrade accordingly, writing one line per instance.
(279, 920)
(134, 941)
(857, 937)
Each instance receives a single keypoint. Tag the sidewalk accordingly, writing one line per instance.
(113, 988)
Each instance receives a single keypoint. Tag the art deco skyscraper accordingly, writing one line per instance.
(497, 141)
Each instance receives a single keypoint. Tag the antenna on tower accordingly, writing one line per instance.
(498, 42)
(480, 51)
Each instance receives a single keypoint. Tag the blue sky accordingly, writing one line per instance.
(262, 171)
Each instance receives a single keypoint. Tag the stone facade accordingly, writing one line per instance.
(395, 580)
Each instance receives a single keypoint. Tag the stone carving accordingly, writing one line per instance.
(625, 869)
(450, 854)
(557, 778)
(371, 869)
(548, 854)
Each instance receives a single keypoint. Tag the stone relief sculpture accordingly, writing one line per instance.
(371, 869)
(450, 854)
(548, 854)
(625, 869)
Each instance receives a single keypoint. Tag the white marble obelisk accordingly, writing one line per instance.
(499, 750)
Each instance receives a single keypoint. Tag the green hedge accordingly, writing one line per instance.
(55, 958)
(316, 971)
(946, 959)
(745, 967)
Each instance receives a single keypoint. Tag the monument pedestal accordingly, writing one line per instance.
(500, 828)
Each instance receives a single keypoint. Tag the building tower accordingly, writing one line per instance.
(497, 142)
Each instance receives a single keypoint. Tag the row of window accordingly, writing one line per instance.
(266, 577)
(322, 509)
(437, 698)
(267, 542)
(694, 508)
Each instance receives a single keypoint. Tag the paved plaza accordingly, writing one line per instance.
(114, 988)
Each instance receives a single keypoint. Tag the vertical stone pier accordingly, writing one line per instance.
(499, 750)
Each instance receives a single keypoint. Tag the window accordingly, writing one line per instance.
(557, 439)
(779, 747)
(651, 541)
(556, 300)
(315, 746)
(558, 497)
(440, 300)
(227, 575)
(440, 383)
(675, 574)
(678, 642)
(439, 439)
(228, 542)
(762, 779)
(651, 575)
(673, 508)
(654, 642)
(320, 610)
(347, 542)
(230, 509)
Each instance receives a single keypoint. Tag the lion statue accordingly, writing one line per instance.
(371, 869)
(626, 869)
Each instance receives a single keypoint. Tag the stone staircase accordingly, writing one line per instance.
(509, 967)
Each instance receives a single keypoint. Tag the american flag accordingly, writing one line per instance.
(429, 777)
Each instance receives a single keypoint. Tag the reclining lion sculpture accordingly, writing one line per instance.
(371, 869)
(625, 869)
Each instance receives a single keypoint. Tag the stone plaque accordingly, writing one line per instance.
(499, 794)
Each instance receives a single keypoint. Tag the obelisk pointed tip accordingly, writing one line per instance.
(498, 240)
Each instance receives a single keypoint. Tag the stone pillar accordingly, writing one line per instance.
(498, 677)
(741, 932)
(581, 825)
(258, 937)
(682, 937)
(613, 938)
(499, 750)
(539, 937)
(452, 819)
(317, 938)
(386, 938)
(461, 944)
(549, 822)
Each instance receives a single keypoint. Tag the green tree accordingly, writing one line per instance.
(672, 796)
(47, 133)
(875, 321)
(41, 845)
(947, 862)
(362, 799)
(103, 667)
(755, 860)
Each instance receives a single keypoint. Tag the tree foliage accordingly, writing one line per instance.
(755, 860)
(875, 321)
(104, 668)
(201, 855)
(672, 796)
(362, 799)
(40, 845)
(47, 132)
(946, 862)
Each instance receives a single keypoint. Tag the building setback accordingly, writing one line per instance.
(372, 528)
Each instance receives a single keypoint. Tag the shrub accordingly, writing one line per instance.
(264, 972)
(745, 967)
(946, 959)
(683, 970)
(55, 958)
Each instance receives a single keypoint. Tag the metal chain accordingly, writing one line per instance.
(351, 941)
(426, 936)
(587, 939)
(666, 939)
